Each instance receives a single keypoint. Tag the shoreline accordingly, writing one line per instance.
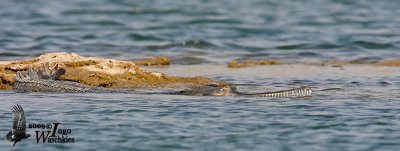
(109, 73)
(158, 72)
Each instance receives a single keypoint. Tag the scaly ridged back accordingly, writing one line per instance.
(42, 85)
(45, 80)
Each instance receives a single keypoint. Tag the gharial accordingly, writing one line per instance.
(46, 79)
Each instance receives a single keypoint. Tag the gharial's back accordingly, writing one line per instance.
(45, 79)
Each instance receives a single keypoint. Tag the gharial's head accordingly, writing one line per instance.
(224, 90)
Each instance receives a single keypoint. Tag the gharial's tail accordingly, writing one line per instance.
(45, 72)
(302, 91)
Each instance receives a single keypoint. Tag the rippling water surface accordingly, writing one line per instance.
(290, 29)
(354, 108)
(346, 112)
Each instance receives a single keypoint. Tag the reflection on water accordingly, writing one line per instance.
(128, 122)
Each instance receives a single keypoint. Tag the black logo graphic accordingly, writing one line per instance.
(50, 132)
(18, 131)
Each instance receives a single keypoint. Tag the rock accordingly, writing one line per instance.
(154, 61)
(98, 72)
(332, 63)
(250, 63)
(394, 63)
(362, 61)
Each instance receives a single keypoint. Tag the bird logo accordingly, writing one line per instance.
(18, 131)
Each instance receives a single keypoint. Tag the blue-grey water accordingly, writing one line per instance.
(289, 29)
(351, 110)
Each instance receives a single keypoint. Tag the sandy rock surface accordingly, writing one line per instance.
(98, 72)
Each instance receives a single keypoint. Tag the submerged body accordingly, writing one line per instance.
(231, 90)
(46, 80)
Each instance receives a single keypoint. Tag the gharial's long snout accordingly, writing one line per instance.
(302, 91)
